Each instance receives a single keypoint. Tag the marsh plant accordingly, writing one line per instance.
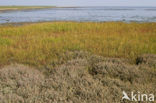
(44, 43)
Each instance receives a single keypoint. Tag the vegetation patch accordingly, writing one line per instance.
(80, 80)
(5, 41)
(44, 43)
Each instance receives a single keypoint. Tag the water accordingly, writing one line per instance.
(95, 14)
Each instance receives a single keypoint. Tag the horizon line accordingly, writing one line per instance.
(87, 5)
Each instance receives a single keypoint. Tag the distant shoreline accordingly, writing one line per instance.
(16, 8)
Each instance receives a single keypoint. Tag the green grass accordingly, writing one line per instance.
(3, 8)
(44, 43)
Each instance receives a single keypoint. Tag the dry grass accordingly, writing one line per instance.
(147, 59)
(84, 79)
(47, 43)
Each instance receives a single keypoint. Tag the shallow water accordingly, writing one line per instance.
(97, 14)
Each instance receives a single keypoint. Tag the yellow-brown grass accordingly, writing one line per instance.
(43, 43)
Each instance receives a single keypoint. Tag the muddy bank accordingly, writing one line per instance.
(84, 79)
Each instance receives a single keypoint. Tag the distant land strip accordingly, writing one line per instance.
(12, 8)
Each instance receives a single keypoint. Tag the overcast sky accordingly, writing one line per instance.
(81, 2)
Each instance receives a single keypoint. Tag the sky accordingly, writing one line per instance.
(80, 2)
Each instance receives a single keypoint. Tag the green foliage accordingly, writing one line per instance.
(4, 41)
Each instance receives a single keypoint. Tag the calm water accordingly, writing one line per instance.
(97, 14)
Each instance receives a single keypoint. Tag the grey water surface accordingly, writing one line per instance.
(82, 14)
